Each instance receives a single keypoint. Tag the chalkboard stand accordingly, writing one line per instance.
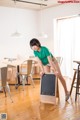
(46, 87)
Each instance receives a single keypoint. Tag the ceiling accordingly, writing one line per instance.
(31, 4)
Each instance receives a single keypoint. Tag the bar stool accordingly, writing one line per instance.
(77, 83)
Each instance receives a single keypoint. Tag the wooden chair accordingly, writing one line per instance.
(4, 82)
(26, 70)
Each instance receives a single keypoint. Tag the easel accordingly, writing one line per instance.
(49, 89)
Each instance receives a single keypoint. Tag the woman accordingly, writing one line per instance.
(47, 62)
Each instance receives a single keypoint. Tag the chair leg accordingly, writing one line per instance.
(16, 85)
(17, 78)
(27, 79)
(23, 81)
(8, 89)
(74, 77)
(77, 90)
(4, 91)
(32, 80)
(77, 87)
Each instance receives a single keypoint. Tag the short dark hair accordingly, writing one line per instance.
(34, 42)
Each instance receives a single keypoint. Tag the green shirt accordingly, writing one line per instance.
(43, 54)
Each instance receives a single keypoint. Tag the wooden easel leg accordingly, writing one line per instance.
(57, 89)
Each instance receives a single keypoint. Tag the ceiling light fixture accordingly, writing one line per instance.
(42, 35)
(16, 33)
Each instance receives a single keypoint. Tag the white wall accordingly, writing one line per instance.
(25, 21)
(56, 12)
(28, 23)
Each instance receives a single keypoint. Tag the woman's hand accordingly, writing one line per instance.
(41, 73)
(54, 71)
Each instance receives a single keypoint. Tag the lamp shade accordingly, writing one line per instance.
(16, 34)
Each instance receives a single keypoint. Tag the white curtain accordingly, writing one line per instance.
(67, 43)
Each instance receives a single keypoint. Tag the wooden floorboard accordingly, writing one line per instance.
(27, 106)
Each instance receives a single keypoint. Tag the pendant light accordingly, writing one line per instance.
(42, 33)
(16, 33)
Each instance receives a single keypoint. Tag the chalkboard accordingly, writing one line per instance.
(48, 84)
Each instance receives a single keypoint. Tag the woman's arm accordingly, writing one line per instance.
(40, 65)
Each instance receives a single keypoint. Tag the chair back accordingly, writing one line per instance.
(59, 59)
(4, 76)
(26, 67)
(29, 66)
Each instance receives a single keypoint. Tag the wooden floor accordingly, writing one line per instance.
(26, 105)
